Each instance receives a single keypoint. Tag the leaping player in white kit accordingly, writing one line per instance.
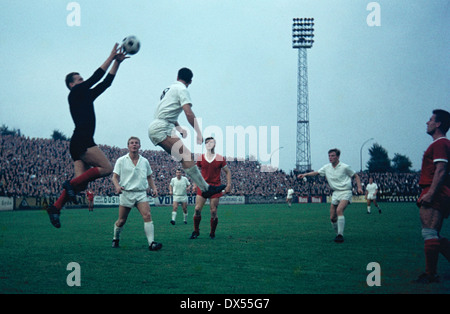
(162, 131)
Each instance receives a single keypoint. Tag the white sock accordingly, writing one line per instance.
(149, 231)
(341, 224)
(196, 176)
(335, 227)
(368, 209)
(117, 231)
(185, 215)
(174, 215)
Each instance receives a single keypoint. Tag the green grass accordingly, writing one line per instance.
(258, 249)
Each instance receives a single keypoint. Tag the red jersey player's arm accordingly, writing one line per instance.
(228, 175)
(190, 116)
(438, 180)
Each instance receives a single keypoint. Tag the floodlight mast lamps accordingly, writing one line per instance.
(302, 39)
(360, 153)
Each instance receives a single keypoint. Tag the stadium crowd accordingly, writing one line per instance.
(38, 167)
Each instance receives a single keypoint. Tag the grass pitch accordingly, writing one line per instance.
(258, 249)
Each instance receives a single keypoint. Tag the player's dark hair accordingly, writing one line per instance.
(69, 78)
(443, 117)
(335, 150)
(186, 75)
(209, 138)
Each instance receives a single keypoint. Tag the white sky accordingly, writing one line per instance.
(378, 82)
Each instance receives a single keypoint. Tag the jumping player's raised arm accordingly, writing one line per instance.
(114, 52)
(190, 116)
(100, 88)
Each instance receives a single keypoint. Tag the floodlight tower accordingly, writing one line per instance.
(302, 39)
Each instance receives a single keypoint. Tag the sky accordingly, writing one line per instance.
(377, 82)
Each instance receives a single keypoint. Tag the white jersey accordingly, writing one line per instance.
(371, 189)
(133, 178)
(179, 186)
(172, 101)
(290, 193)
(339, 178)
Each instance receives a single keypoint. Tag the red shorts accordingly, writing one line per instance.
(199, 192)
(440, 202)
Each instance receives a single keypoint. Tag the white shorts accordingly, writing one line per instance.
(159, 130)
(131, 198)
(341, 196)
(371, 197)
(180, 198)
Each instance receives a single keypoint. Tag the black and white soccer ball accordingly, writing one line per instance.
(131, 45)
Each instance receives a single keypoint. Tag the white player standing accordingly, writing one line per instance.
(132, 176)
(290, 194)
(178, 189)
(339, 177)
(371, 195)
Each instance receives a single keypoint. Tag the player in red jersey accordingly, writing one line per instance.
(434, 201)
(90, 200)
(211, 165)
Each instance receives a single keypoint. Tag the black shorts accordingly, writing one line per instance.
(79, 145)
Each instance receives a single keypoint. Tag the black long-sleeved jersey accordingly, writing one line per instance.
(81, 102)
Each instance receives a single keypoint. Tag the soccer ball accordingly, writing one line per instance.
(131, 45)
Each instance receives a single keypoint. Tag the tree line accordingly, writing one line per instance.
(379, 161)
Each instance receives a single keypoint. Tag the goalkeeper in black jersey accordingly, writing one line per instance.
(90, 162)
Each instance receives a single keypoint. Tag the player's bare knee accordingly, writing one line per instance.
(147, 217)
(108, 169)
(120, 222)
